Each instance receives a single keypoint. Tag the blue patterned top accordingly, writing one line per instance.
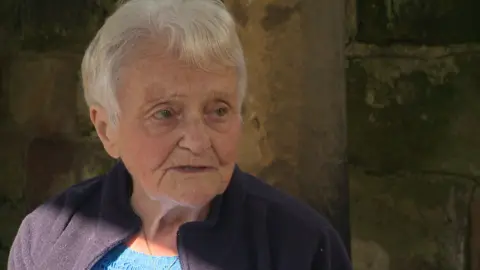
(124, 258)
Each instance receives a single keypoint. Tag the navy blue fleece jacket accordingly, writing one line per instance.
(251, 226)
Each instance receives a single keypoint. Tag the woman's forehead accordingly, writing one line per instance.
(173, 81)
(153, 84)
(161, 67)
(150, 75)
(151, 52)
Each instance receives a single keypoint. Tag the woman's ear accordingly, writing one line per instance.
(106, 130)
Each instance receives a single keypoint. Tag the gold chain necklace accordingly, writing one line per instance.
(151, 254)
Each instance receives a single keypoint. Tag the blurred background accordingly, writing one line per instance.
(366, 109)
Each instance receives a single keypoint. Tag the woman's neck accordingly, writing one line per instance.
(161, 219)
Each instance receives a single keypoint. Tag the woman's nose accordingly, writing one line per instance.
(195, 136)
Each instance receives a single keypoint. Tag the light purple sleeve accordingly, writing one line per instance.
(20, 256)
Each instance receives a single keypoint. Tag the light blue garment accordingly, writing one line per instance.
(124, 258)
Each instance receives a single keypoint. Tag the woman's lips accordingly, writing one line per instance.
(192, 169)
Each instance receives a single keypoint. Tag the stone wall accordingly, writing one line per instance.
(414, 133)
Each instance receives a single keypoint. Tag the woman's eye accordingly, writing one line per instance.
(222, 111)
(163, 114)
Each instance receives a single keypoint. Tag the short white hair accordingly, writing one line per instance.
(199, 32)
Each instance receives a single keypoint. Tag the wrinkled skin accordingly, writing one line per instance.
(174, 115)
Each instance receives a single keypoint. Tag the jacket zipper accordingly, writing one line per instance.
(182, 265)
(178, 250)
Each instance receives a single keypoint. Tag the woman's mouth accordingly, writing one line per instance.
(192, 169)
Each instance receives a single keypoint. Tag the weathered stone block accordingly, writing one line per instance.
(85, 126)
(3, 94)
(418, 21)
(54, 164)
(12, 168)
(6, 121)
(414, 114)
(369, 255)
(91, 159)
(42, 93)
(8, 21)
(474, 247)
(49, 166)
(416, 220)
(254, 151)
(52, 24)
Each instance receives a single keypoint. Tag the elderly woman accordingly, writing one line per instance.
(164, 81)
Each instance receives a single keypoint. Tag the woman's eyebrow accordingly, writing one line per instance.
(155, 91)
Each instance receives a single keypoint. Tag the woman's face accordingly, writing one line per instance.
(178, 128)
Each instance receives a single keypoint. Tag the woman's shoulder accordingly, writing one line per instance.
(68, 200)
(283, 207)
(46, 222)
(291, 225)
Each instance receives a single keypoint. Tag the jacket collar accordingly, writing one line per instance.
(117, 221)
